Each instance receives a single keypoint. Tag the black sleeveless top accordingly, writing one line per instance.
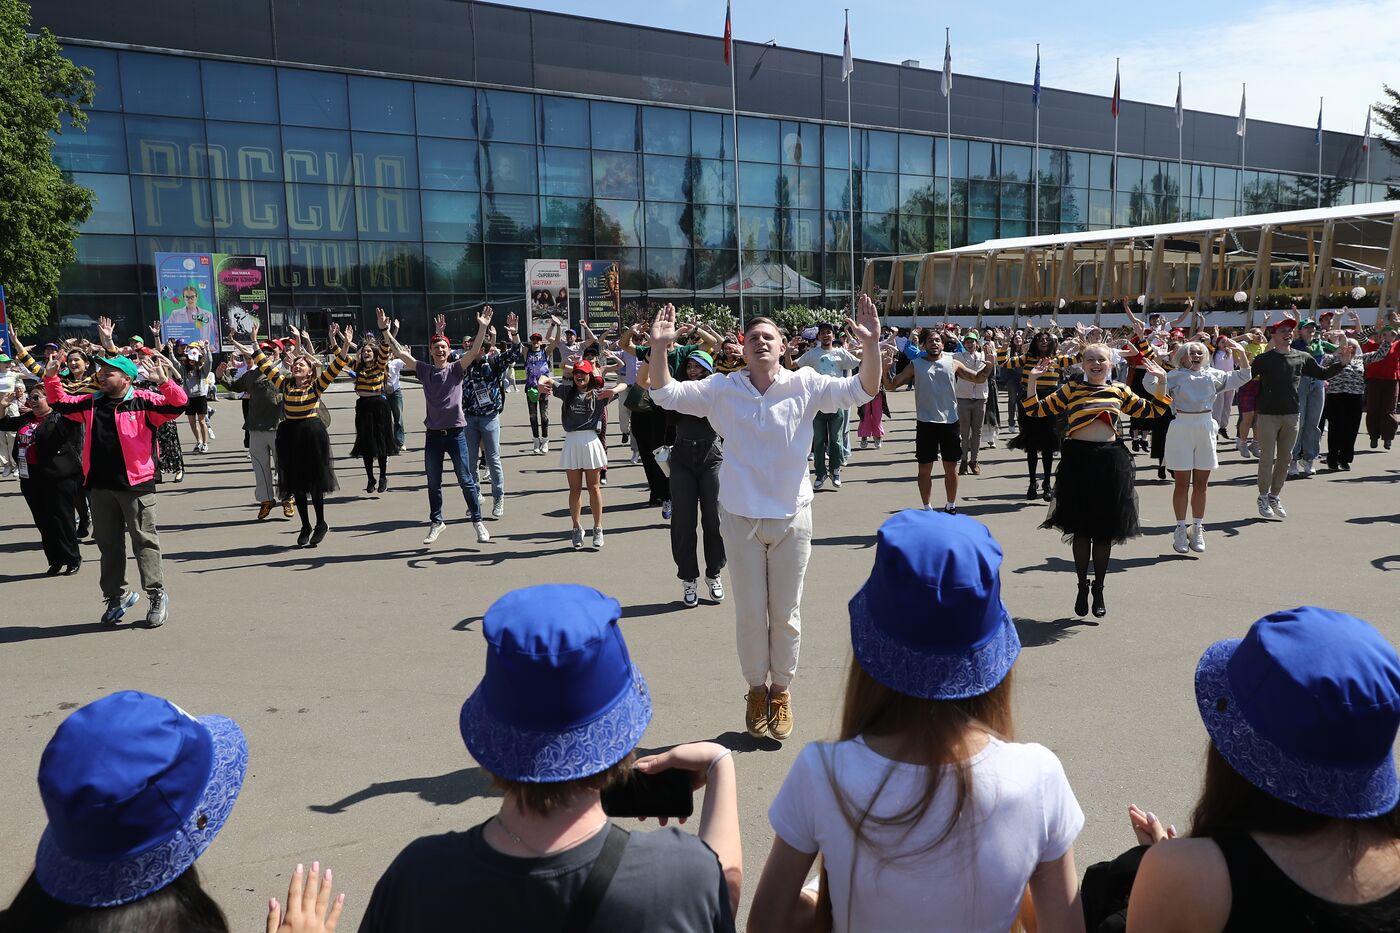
(1264, 898)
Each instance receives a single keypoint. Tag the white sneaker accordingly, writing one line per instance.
(1308, 467)
(597, 539)
(434, 530)
(577, 537)
(1277, 506)
(690, 592)
(1198, 538)
(1242, 447)
(1266, 508)
(635, 459)
(1293, 467)
(864, 443)
(544, 445)
(716, 588)
(210, 431)
(536, 448)
(498, 508)
(1179, 543)
(879, 442)
(482, 535)
(836, 479)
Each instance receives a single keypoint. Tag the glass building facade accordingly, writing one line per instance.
(427, 197)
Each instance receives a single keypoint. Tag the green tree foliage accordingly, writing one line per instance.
(40, 92)
(1388, 116)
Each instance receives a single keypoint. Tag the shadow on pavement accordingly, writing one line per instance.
(11, 634)
(443, 790)
(1035, 633)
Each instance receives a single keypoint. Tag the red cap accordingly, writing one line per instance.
(439, 337)
(1284, 322)
(1179, 333)
(584, 366)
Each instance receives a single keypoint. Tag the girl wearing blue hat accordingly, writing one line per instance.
(1296, 828)
(925, 813)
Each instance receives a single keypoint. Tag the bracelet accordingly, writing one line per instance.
(718, 759)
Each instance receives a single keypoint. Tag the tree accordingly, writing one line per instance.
(39, 207)
(1388, 115)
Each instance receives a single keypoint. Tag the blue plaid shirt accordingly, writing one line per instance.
(481, 389)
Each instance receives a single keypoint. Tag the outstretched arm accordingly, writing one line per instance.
(391, 337)
(483, 326)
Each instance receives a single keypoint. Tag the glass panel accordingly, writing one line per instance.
(881, 153)
(448, 164)
(161, 84)
(1129, 174)
(313, 98)
(711, 136)
(171, 206)
(103, 62)
(916, 233)
(808, 265)
(834, 148)
(758, 184)
(388, 214)
(506, 116)
(878, 192)
(98, 147)
(1015, 200)
(915, 154)
(1227, 182)
(666, 131)
(248, 208)
(758, 140)
(759, 233)
(801, 230)
(617, 223)
(982, 198)
(714, 184)
(510, 218)
(917, 195)
(508, 169)
(505, 271)
(381, 105)
(668, 225)
(566, 172)
(564, 122)
(247, 151)
(102, 264)
(326, 211)
(1100, 171)
(452, 217)
(111, 203)
(1010, 228)
(454, 267)
(838, 190)
(615, 126)
(444, 110)
(713, 226)
(979, 231)
(981, 160)
(1016, 163)
(665, 178)
(941, 158)
(234, 91)
(669, 269)
(801, 187)
(391, 267)
(321, 156)
(327, 267)
(385, 161)
(713, 269)
(156, 146)
(801, 144)
(878, 232)
(1100, 208)
(615, 175)
(566, 220)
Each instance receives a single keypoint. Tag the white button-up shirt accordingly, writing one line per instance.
(766, 435)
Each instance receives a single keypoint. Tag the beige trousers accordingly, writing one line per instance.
(1276, 434)
(767, 559)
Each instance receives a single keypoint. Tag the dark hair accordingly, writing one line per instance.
(1053, 341)
(182, 906)
(543, 798)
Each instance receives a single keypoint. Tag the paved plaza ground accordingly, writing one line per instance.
(347, 665)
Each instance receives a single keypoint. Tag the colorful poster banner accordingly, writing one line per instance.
(5, 327)
(185, 283)
(240, 284)
(546, 293)
(600, 287)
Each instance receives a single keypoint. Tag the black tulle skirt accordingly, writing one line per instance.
(374, 427)
(1041, 435)
(1094, 493)
(304, 458)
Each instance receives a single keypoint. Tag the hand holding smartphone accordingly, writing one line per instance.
(660, 794)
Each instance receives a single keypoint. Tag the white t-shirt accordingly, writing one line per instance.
(966, 388)
(1022, 813)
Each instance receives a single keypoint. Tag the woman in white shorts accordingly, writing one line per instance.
(584, 457)
(1190, 446)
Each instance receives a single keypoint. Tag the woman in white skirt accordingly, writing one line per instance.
(1190, 447)
(584, 402)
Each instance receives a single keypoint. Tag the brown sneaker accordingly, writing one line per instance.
(288, 509)
(780, 715)
(264, 509)
(756, 713)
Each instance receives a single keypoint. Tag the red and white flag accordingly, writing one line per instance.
(728, 35)
(1116, 96)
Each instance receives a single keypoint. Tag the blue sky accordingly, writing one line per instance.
(1290, 52)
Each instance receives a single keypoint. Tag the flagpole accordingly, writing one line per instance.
(1035, 165)
(734, 119)
(1113, 184)
(850, 174)
(1319, 152)
(1239, 185)
(948, 162)
(1180, 178)
(1366, 142)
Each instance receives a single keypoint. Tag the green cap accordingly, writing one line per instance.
(703, 358)
(972, 335)
(135, 338)
(120, 363)
(1308, 324)
(4, 358)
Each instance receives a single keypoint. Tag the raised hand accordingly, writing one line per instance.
(484, 317)
(1150, 365)
(349, 333)
(663, 329)
(105, 327)
(866, 324)
(1042, 366)
(381, 319)
(309, 907)
(512, 322)
(14, 340)
(440, 324)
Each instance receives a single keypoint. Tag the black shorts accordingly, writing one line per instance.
(933, 441)
(197, 405)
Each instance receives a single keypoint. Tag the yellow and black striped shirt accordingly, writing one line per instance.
(1025, 363)
(1083, 403)
(299, 403)
(371, 377)
(84, 386)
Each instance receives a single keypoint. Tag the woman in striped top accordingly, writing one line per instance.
(304, 469)
(374, 420)
(1039, 435)
(1345, 400)
(1094, 504)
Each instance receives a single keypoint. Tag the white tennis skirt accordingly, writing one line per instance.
(1191, 443)
(583, 451)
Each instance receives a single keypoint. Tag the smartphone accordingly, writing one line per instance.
(665, 793)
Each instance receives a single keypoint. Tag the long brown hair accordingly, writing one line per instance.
(180, 907)
(934, 734)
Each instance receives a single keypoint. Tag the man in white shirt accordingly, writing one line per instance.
(765, 414)
(829, 428)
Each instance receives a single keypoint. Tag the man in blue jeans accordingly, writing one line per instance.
(829, 427)
(483, 401)
(1311, 397)
(445, 424)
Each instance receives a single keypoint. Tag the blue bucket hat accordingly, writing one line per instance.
(1306, 707)
(560, 699)
(929, 622)
(135, 789)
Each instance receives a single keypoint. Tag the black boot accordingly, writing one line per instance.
(1100, 610)
(1030, 490)
(305, 536)
(1081, 602)
(383, 482)
(1045, 490)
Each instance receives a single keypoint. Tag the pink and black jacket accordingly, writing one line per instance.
(137, 417)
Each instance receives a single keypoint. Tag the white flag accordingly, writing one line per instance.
(1180, 114)
(1366, 136)
(1242, 121)
(848, 65)
(947, 65)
